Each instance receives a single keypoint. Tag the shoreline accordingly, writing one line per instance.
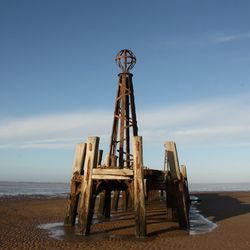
(20, 218)
(65, 195)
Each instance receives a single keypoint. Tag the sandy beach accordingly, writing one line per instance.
(20, 218)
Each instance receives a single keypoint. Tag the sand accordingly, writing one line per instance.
(20, 217)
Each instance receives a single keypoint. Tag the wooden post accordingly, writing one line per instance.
(99, 157)
(115, 201)
(85, 213)
(107, 161)
(74, 185)
(182, 206)
(116, 193)
(178, 185)
(173, 160)
(107, 203)
(125, 196)
(186, 188)
(100, 211)
(139, 195)
(170, 206)
(130, 190)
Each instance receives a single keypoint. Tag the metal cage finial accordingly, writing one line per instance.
(126, 60)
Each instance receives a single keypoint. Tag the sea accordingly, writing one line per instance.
(33, 189)
(50, 189)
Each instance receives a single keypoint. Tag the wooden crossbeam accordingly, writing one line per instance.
(112, 174)
(110, 177)
(113, 171)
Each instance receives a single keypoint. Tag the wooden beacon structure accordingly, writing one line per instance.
(123, 172)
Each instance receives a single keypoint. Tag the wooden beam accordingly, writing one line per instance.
(139, 194)
(113, 171)
(110, 177)
(85, 211)
(72, 204)
(112, 174)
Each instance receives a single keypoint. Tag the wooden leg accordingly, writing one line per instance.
(182, 207)
(100, 211)
(130, 190)
(125, 197)
(86, 200)
(72, 211)
(139, 195)
(107, 203)
(115, 200)
(75, 185)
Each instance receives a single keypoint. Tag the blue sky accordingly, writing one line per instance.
(58, 82)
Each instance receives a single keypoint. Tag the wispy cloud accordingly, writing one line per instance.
(200, 40)
(223, 120)
(225, 38)
(54, 130)
(52, 124)
(208, 132)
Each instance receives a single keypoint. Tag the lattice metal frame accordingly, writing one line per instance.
(124, 114)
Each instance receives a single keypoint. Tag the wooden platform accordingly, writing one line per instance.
(136, 185)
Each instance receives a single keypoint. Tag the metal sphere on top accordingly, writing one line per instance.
(126, 60)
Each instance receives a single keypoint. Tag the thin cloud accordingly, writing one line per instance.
(224, 38)
(53, 124)
(213, 132)
(226, 120)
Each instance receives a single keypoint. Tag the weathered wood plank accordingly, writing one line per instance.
(85, 213)
(113, 171)
(110, 177)
(72, 204)
(139, 194)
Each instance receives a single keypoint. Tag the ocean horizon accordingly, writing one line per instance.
(61, 189)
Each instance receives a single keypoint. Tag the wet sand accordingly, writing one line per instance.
(20, 218)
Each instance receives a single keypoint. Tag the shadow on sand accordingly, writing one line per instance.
(220, 206)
